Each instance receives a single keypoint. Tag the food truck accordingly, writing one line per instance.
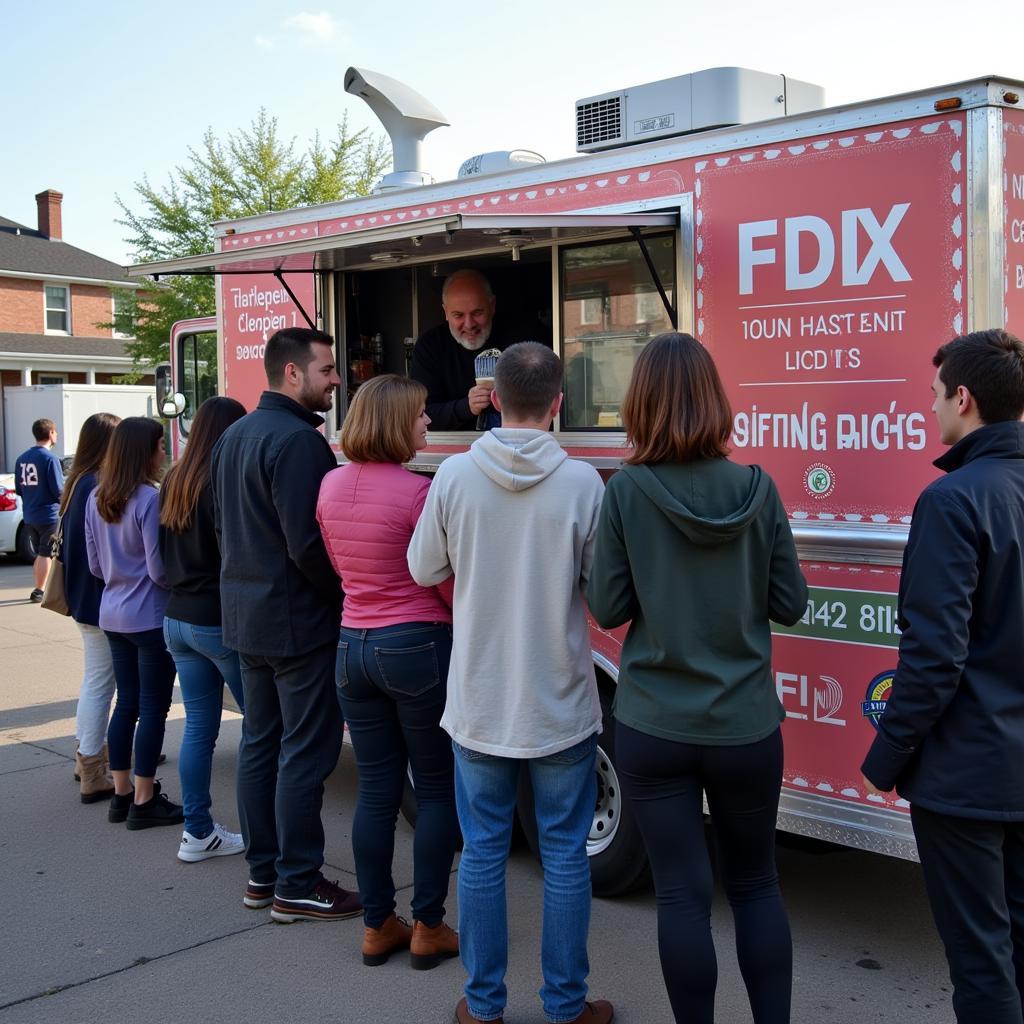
(821, 254)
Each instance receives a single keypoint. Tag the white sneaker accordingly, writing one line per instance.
(219, 843)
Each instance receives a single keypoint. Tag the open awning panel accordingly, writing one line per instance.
(429, 239)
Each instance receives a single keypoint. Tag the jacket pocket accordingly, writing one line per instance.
(408, 671)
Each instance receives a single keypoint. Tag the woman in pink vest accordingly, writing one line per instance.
(392, 668)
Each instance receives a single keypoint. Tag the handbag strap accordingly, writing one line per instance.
(58, 533)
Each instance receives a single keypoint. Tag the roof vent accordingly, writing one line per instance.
(689, 103)
(407, 117)
(498, 161)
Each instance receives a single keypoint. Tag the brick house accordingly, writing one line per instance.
(53, 296)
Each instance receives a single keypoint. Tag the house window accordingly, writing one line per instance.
(53, 378)
(123, 327)
(58, 309)
(649, 307)
(592, 309)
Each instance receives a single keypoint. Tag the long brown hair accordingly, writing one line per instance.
(127, 465)
(675, 409)
(190, 474)
(93, 439)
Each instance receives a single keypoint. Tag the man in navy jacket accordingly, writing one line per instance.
(280, 602)
(952, 736)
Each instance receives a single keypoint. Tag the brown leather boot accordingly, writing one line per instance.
(96, 784)
(600, 1011)
(432, 945)
(379, 943)
(78, 766)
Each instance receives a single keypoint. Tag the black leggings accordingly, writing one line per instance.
(664, 782)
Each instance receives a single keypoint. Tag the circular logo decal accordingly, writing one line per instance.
(819, 480)
(879, 690)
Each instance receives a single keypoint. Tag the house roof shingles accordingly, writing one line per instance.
(25, 250)
(59, 344)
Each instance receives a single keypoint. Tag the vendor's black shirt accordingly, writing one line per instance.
(446, 369)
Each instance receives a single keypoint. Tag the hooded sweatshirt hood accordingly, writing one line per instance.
(517, 459)
(699, 528)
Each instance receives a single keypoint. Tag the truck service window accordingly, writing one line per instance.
(610, 309)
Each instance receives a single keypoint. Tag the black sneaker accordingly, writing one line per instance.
(119, 807)
(158, 811)
(258, 895)
(327, 902)
(36, 596)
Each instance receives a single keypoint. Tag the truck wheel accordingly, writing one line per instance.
(23, 549)
(618, 860)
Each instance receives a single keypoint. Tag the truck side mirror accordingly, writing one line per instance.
(172, 406)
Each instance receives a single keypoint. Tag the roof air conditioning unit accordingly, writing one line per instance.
(689, 103)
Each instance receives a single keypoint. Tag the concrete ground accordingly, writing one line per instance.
(105, 925)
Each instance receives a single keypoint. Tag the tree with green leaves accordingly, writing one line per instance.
(253, 171)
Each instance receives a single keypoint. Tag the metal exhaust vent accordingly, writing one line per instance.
(599, 122)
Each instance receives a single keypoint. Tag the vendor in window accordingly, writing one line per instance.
(443, 359)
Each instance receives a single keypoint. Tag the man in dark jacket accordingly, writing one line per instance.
(280, 602)
(952, 736)
(444, 357)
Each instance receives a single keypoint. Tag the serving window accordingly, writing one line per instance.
(610, 309)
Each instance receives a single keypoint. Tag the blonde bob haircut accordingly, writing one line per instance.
(378, 426)
(675, 409)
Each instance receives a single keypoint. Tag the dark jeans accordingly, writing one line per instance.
(144, 673)
(290, 744)
(974, 873)
(664, 782)
(392, 683)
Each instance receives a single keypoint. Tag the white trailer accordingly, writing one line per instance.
(69, 406)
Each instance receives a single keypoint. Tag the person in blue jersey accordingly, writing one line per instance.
(39, 480)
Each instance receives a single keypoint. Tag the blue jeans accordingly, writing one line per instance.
(144, 673)
(392, 683)
(565, 791)
(204, 665)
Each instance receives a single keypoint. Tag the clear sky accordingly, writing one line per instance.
(99, 95)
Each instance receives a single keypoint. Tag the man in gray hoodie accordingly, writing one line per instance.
(515, 514)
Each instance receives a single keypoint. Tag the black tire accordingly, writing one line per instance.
(618, 860)
(23, 549)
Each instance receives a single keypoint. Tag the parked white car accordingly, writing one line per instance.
(13, 537)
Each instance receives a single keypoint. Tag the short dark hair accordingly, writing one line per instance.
(41, 429)
(675, 409)
(292, 345)
(990, 364)
(528, 378)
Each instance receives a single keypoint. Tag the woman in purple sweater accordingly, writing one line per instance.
(122, 525)
(392, 669)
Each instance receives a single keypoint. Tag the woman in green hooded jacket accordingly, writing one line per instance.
(696, 553)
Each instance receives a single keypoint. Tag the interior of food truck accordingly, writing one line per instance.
(594, 299)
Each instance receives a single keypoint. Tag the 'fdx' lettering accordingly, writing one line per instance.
(799, 231)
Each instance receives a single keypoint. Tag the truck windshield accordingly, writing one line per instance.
(197, 373)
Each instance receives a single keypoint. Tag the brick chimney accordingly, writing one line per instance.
(48, 207)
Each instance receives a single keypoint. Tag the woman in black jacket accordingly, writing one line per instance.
(82, 591)
(192, 626)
